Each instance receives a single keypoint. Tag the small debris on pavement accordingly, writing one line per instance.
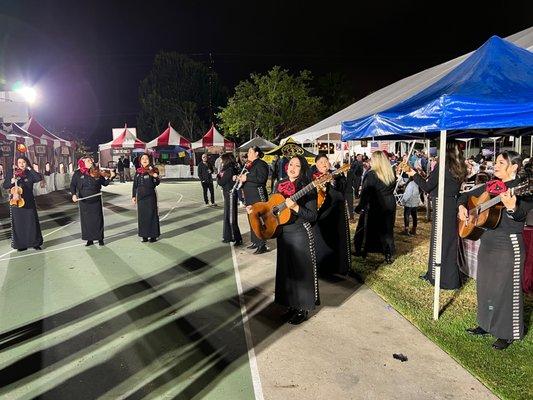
(400, 357)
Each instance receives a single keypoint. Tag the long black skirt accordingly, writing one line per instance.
(375, 232)
(92, 219)
(332, 238)
(449, 275)
(296, 274)
(148, 217)
(231, 231)
(25, 228)
(499, 285)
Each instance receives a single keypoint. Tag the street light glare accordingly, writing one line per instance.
(29, 93)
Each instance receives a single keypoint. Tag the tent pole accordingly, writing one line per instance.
(439, 222)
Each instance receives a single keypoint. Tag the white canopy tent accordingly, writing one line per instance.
(395, 93)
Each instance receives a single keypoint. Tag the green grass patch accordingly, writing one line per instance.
(508, 373)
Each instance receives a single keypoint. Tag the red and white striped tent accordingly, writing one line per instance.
(169, 137)
(41, 135)
(126, 140)
(213, 138)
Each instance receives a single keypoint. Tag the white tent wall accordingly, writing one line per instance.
(397, 92)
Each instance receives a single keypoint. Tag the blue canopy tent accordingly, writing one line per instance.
(489, 93)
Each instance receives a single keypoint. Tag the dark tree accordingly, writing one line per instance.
(181, 91)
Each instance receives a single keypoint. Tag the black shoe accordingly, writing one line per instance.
(261, 250)
(237, 244)
(100, 242)
(388, 259)
(24, 249)
(289, 313)
(89, 243)
(38, 248)
(153, 240)
(252, 246)
(502, 344)
(299, 317)
(477, 331)
(144, 240)
(424, 277)
(226, 241)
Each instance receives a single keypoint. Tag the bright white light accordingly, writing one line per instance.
(29, 94)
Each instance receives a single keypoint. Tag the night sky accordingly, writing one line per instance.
(87, 57)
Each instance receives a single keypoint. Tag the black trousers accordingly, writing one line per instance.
(208, 185)
(410, 211)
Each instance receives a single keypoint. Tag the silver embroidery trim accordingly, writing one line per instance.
(434, 243)
(516, 287)
(312, 250)
(348, 244)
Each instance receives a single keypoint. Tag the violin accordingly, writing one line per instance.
(152, 171)
(15, 195)
(97, 172)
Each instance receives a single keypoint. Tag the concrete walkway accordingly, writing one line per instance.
(345, 350)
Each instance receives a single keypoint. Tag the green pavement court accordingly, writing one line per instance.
(128, 320)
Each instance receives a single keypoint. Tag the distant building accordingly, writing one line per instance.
(13, 108)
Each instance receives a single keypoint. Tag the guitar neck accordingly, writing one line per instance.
(492, 202)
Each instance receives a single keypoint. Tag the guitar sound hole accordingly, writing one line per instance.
(275, 211)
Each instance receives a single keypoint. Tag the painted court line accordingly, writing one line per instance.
(256, 380)
(180, 198)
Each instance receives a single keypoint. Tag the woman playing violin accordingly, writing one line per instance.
(144, 195)
(25, 227)
(88, 181)
(332, 230)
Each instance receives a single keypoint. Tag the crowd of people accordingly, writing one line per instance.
(316, 239)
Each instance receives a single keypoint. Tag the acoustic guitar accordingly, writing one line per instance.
(485, 213)
(266, 218)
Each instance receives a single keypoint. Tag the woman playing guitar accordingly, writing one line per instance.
(500, 300)
(296, 274)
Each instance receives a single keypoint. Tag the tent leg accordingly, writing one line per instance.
(439, 222)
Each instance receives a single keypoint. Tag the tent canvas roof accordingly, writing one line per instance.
(126, 140)
(397, 92)
(262, 143)
(492, 88)
(213, 138)
(34, 129)
(169, 137)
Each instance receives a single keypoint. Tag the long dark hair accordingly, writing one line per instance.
(512, 157)
(303, 178)
(455, 161)
(259, 152)
(150, 160)
(28, 163)
(227, 160)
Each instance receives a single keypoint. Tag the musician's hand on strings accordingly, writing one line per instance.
(462, 213)
(292, 204)
(242, 178)
(508, 200)
(249, 209)
(74, 198)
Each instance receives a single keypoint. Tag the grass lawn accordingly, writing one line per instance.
(508, 373)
